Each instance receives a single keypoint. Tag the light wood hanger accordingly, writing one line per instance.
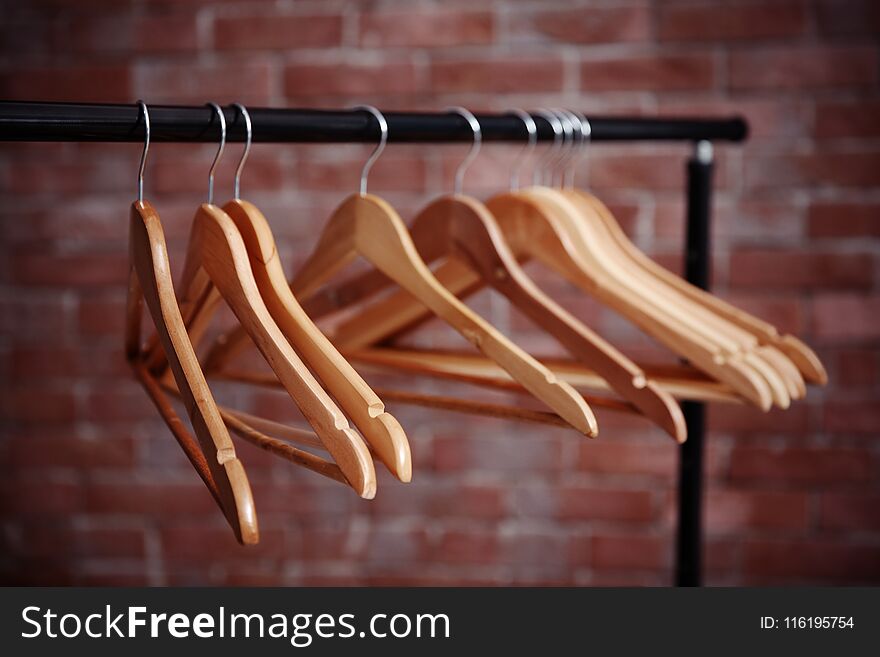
(381, 430)
(368, 226)
(461, 227)
(535, 225)
(681, 382)
(211, 451)
(217, 257)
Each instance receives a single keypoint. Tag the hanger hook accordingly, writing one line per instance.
(383, 139)
(236, 187)
(586, 131)
(566, 151)
(550, 155)
(475, 146)
(142, 106)
(217, 157)
(526, 150)
(576, 150)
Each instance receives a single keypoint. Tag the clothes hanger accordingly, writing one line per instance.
(461, 227)
(211, 452)
(795, 350)
(543, 228)
(368, 226)
(217, 257)
(366, 410)
(784, 379)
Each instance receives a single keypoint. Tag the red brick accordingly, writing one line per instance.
(813, 560)
(43, 361)
(631, 552)
(737, 22)
(528, 456)
(649, 73)
(583, 503)
(351, 78)
(391, 173)
(848, 18)
(242, 81)
(858, 368)
(849, 512)
(38, 497)
(784, 312)
(278, 32)
(38, 404)
(103, 315)
(770, 119)
(801, 270)
(852, 416)
(585, 25)
(749, 419)
(156, 498)
(846, 316)
(108, 84)
(801, 465)
(116, 403)
(425, 28)
(735, 511)
(842, 219)
(518, 74)
(847, 118)
(628, 458)
(852, 169)
(188, 543)
(635, 171)
(458, 547)
(803, 67)
(49, 450)
(74, 270)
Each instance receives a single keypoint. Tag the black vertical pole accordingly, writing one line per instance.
(689, 564)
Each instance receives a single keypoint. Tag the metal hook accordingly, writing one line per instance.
(475, 146)
(550, 155)
(566, 151)
(576, 151)
(143, 107)
(217, 157)
(586, 132)
(527, 150)
(383, 139)
(236, 186)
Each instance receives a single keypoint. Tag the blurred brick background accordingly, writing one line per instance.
(94, 490)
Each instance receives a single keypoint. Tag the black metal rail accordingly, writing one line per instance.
(76, 122)
(28, 121)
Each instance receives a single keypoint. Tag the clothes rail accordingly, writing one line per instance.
(28, 121)
(77, 122)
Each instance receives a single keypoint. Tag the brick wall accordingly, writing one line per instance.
(95, 490)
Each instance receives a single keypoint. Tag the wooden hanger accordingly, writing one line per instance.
(211, 452)
(783, 378)
(804, 358)
(217, 257)
(368, 226)
(682, 382)
(381, 430)
(462, 227)
(779, 371)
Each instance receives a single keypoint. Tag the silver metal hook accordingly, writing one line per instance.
(143, 107)
(550, 155)
(527, 150)
(217, 157)
(236, 186)
(576, 150)
(586, 133)
(383, 139)
(475, 146)
(565, 152)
